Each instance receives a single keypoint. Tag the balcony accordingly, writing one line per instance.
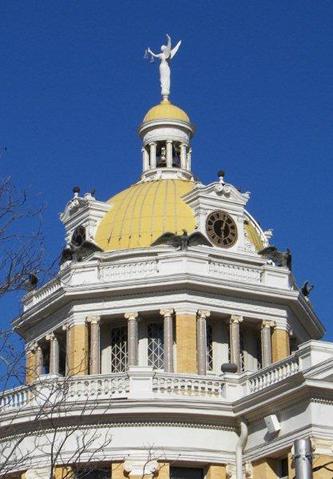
(146, 267)
(144, 384)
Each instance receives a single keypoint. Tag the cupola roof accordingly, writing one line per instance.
(166, 111)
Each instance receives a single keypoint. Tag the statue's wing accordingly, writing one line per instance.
(87, 248)
(175, 49)
(169, 239)
(197, 238)
(269, 251)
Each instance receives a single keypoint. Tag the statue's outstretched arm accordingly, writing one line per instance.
(158, 55)
(169, 41)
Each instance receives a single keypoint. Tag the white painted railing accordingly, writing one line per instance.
(14, 398)
(235, 272)
(273, 374)
(170, 384)
(115, 386)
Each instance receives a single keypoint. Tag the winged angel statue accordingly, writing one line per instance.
(167, 54)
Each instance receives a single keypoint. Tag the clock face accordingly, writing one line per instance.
(221, 229)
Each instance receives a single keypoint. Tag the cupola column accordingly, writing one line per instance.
(54, 353)
(39, 360)
(266, 343)
(152, 155)
(235, 340)
(168, 339)
(202, 341)
(169, 153)
(183, 156)
(145, 159)
(189, 159)
(132, 335)
(95, 353)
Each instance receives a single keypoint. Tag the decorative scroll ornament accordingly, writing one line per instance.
(166, 55)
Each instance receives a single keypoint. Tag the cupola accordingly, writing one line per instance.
(166, 132)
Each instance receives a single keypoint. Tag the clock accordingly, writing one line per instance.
(221, 229)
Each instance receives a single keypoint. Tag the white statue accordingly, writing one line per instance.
(167, 53)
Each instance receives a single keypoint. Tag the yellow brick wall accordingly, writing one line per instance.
(264, 469)
(322, 467)
(186, 337)
(117, 470)
(163, 471)
(216, 472)
(31, 367)
(63, 472)
(78, 350)
(280, 344)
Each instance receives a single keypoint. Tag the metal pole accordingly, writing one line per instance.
(303, 459)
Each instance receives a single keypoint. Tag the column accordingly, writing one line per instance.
(189, 159)
(202, 341)
(280, 344)
(39, 361)
(95, 349)
(132, 338)
(183, 156)
(54, 353)
(186, 334)
(31, 368)
(152, 148)
(266, 343)
(169, 154)
(145, 159)
(168, 339)
(235, 340)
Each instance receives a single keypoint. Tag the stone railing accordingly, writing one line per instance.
(183, 385)
(142, 383)
(235, 272)
(139, 266)
(91, 388)
(14, 398)
(273, 374)
(129, 270)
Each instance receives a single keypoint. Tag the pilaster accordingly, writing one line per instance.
(280, 344)
(186, 340)
(77, 349)
(216, 472)
(31, 365)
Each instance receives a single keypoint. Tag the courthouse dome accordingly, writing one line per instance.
(166, 111)
(143, 212)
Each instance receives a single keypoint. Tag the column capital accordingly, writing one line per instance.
(167, 312)
(203, 314)
(152, 143)
(50, 337)
(131, 316)
(234, 318)
(32, 347)
(169, 141)
(267, 324)
(93, 319)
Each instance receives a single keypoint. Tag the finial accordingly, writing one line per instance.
(167, 54)
(76, 191)
(220, 175)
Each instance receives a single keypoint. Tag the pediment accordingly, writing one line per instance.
(217, 193)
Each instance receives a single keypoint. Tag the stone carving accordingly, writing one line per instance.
(167, 54)
(183, 241)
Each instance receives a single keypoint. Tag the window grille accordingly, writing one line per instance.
(209, 347)
(119, 353)
(155, 345)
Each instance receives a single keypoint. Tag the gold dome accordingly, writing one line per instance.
(143, 212)
(166, 111)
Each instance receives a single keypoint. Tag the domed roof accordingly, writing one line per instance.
(166, 111)
(143, 212)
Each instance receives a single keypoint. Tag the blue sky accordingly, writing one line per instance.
(256, 78)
